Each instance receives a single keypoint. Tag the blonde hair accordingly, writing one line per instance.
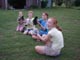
(30, 12)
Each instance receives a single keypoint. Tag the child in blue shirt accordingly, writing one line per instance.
(43, 26)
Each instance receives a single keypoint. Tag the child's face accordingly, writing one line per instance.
(50, 23)
(20, 13)
(44, 16)
(30, 15)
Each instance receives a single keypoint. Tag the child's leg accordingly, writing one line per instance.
(36, 37)
(47, 51)
(17, 29)
(40, 49)
(30, 32)
(25, 32)
(21, 28)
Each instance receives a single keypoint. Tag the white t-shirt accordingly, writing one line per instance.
(29, 23)
(56, 38)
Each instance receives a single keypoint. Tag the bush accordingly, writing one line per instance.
(77, 3)
(17, 3)
(34, 7)
(43, 3)
(58, 2)
(69, 3)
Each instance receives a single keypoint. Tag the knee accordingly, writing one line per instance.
(37, 48)
(34, 37)
(25, 32)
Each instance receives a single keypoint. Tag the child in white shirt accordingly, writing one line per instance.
(29, 23)
(53, 40)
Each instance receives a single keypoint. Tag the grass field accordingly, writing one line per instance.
(16, 46)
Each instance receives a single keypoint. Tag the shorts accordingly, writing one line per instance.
(51, 52)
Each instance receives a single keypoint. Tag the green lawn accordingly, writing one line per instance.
(16, 46)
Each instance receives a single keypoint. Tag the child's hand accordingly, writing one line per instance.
(38, 35)
(44, 36)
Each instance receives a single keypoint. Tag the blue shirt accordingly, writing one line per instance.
(44, 24)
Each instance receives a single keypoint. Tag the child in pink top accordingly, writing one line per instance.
(20, 20)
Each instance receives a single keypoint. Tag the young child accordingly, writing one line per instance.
(43, 26)
(29, 23)
(53, 40)
(20, 20)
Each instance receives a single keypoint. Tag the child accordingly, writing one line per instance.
(29, 23)
(20, 20)
(53, 40)
(43, 26)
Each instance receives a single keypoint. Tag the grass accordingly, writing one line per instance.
(16, 46)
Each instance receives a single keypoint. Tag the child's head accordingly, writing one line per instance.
(52, 22)
(20, 13)
(45, 16)
(21, 18)
(30, 14)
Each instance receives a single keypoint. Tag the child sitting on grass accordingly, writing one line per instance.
(43, 26)
(20, 20)
(54, 41)
(29, 23)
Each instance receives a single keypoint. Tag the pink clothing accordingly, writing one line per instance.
(20, 24)
(19, 28)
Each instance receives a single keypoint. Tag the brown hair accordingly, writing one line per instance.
(56, 23)
(45, 14)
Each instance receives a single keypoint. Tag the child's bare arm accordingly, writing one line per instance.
(44, 38)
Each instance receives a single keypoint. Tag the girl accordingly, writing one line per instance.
(20, 21)
(53, 40)
(29, 23)
(43, 26)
